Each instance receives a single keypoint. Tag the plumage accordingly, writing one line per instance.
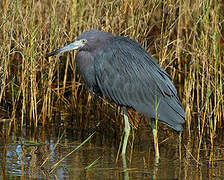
(122, 71)
(126, 74)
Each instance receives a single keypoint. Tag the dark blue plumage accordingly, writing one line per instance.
(122, 71)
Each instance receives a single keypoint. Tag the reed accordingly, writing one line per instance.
(185, 38)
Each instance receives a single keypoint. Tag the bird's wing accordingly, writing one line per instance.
(127, 75)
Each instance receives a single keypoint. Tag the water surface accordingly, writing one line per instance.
(22, 155)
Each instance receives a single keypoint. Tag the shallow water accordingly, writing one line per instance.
(22, 156)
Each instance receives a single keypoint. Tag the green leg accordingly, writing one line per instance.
(125, 171)
(180, 140)
(155, 137)
(126, 131)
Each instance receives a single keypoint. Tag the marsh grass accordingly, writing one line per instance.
(185, 38)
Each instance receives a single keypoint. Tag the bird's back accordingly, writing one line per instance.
(127, 75)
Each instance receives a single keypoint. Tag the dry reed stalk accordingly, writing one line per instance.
(186, 39)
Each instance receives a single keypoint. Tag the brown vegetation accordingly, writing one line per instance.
(185, 38)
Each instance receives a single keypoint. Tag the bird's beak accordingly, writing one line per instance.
(75, 45)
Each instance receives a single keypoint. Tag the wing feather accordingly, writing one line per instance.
(127, 75)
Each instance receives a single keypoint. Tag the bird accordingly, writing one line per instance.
(121, 70)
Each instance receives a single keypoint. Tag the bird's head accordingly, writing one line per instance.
(87, 41)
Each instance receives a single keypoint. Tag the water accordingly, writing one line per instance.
(23, 153)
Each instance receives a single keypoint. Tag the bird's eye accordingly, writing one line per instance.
(83, 40)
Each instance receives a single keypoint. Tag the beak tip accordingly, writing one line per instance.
(51, 54)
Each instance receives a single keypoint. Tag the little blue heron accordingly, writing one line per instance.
(121, 70)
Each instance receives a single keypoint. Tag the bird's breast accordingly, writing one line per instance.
(85, 67)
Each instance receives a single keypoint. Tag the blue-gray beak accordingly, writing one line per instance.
(73, 46)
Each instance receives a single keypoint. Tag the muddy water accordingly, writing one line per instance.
(32, 154)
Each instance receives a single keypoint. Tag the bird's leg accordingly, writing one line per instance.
(180, 139)
(126, 131)
(125, 171)
(155, 137)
